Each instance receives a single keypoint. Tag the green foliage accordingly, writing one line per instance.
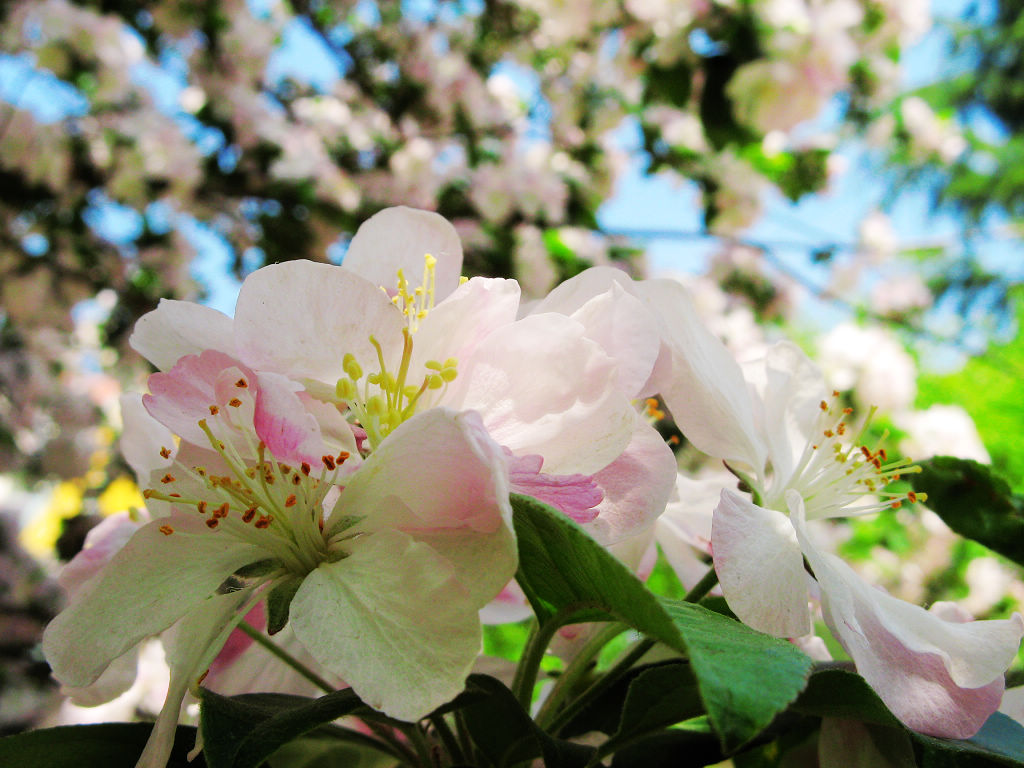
(242, 731)
(975, 503)
(111, 745)
(988, 387)
(745, 679)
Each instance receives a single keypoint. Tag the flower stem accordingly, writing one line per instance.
(286, 657)
(702, 587)
(576, 669)
(536, 644)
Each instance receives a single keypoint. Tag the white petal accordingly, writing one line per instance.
(438, 470)
(939, 677)
(142, 438)
(392, 620)
(708, 395)
(190, 645)
(459, 324)
(636, 487)
(149, 584)
(543, 388)
(178, 328)
(399, 238)
(760, 566)
(300, 318)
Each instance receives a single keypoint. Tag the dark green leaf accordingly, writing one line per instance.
(242, 731)
(659, 696)
(692, 744)
(975, 503)
(561, 568)
(608, 712)
(745, 678)
(834, 692)
(506, 735)
(111, 745)
(278, 602)
(1000, 742)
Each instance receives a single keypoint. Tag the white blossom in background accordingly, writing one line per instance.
(870, 362)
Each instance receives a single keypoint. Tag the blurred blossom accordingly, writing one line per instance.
(870, 362)
(941, 429)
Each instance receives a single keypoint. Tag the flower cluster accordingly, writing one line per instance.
(338, 458)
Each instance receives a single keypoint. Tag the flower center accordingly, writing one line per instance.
(840, 476)
(260, 501)
(379, 402)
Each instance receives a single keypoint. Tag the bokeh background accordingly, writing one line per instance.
(847, 173)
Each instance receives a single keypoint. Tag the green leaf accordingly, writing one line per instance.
(323, 749)
(111, 745)
(658, 697)
(835, 692)
(1000, 742)
(692, 744)
(242, 731)
(278, 602)
(745, 678)
(975, 503)
(506, 735)
(563, 570)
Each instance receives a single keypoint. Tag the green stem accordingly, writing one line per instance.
(451, 744)
(702, 587)
(603, 683)
(529, 665)
(576, 669)
(286, 657)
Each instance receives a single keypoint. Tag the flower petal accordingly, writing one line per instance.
(178, 328)
(543, 388)
(282, 422)
(393, 621)
(939, 677)
(142, 438)
(460, 323)
(154, 580)
(636, 487)
(575, 495)
(438, 470)
(760, 566)
(707, 395)
(300, 318)
(399, 238)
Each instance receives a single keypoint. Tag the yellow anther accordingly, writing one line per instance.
(352, 367)
(449, 374)
(345, 389)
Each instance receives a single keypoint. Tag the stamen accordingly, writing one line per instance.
(166, 530)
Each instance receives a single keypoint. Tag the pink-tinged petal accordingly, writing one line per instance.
(281, 421)
(399, 238)
(942, 678)
(543, 388)
(509, 606)
(236, 645)
(575, 495)
(256, 671)
(708, 396)
(101, 544)
(143, 438)
(636, 487)
(393, 621)
(438, 470)
(458, 325)
(627, 332)
(178, 328)
(299, 319)
(191, 645)
(182, 396)
(853, 744)
(760, 566)
(154, 580)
